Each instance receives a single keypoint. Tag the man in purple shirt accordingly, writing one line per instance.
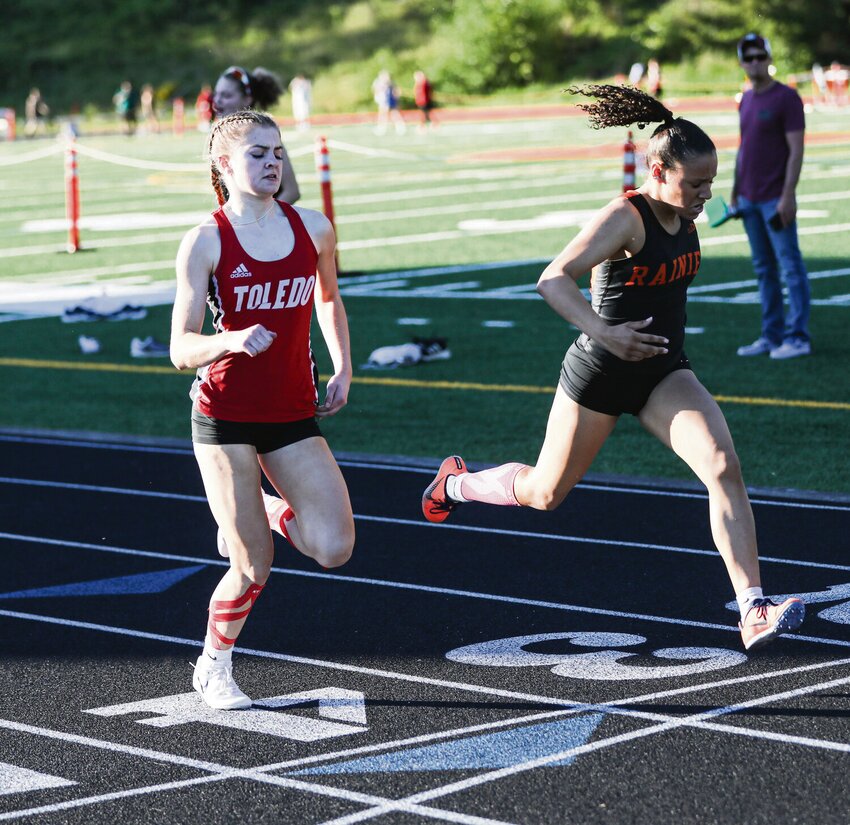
(766, 173)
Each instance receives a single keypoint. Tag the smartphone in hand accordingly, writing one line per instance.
(776, 222)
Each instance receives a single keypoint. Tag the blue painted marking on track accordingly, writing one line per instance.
(493, 750)
(157, 582)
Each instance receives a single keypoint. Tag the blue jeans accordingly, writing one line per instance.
(777, 252)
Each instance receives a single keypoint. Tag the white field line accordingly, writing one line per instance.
(372, 243)
(447, 591)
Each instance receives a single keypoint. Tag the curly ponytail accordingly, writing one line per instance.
(674, 142)
(225, 133)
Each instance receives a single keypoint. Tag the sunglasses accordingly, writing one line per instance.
(749, 58)
(238, 73)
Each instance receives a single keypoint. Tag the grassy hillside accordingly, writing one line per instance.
(78, 53)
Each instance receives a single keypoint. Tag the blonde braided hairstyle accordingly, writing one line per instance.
(224, 134)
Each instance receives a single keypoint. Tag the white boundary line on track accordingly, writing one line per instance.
(443, 591)
(468, 528)
(220, 772)
(502, 773)
(63, 441)
(411, 804)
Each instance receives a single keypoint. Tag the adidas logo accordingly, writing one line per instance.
(241, 271)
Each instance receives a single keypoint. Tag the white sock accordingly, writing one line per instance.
(746, 598)
(453, 489)
(217, 655)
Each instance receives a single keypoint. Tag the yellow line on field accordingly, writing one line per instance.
(369, 380)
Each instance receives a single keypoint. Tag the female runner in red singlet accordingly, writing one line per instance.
(258, 262)
(643, 251)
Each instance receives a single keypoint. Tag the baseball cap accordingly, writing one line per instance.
(753, 41)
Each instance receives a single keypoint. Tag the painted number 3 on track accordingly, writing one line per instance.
(606, 660)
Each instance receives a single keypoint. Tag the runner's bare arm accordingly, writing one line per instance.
(615, 231)
(196, 261)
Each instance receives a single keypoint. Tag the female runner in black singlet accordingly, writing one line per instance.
(643, 251)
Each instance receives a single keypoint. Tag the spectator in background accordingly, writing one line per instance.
(423, 97)
(147, 101)
(301, 90)
(204, 108)
(236, 90)
(35, 112)
(386, 95)
(653, 78)
(126, 101)
(767, 170)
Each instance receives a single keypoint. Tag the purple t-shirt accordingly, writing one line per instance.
(763, 154)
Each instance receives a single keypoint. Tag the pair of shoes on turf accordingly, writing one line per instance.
(274, 509)
(148, 348)
(436, 504)
(792, 348)
(766, 620)
(213, 679)
(83, 314)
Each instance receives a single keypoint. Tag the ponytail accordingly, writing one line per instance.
(673, 142)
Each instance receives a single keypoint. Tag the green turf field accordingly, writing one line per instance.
(447, 204)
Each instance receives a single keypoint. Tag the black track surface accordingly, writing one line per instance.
(624, 723)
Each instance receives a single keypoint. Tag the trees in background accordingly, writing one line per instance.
(77, 52)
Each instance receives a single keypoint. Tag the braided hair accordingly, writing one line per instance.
(673, 142)
(225, 133)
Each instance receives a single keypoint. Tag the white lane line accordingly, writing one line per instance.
(486, 690)
(220, 772)
(664, 727)
(421, 588)
(64, 441)
(382, 804)
(81, 802)
(418, 523)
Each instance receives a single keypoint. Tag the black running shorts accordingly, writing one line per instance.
(266, 438)
(610, 392)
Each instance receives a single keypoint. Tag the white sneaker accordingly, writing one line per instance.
(274, 508)
(148, 348)
(760, 346)
(214, 681)
(792, 348)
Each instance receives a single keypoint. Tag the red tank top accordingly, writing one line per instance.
(280, 384)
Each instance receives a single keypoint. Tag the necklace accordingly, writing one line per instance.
(258, 220)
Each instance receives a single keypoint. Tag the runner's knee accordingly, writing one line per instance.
(542, 495)
(334, 551)
(723, 465)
